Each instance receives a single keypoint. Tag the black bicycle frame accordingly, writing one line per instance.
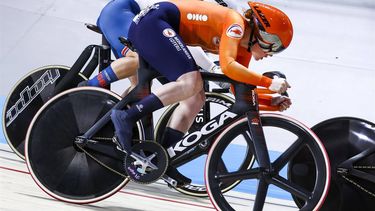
(347, 167)
(186, 149)
(246, 103)
(101, 57)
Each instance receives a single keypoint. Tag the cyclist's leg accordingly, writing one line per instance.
(126, 67)
(114, 21)
(179, 123)
(152, 38)
(184, 114)
(185, 87)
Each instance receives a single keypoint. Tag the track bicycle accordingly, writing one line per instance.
(37, 87)
(84, 113)
(73, 130)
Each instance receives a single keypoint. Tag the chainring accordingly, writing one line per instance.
(140, 170)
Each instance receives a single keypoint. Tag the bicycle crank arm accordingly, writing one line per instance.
(169, 181)
(143, 160)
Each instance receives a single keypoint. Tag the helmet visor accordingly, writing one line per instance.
(270, 43)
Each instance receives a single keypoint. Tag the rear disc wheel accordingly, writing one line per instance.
(25, 99)
(58, 165)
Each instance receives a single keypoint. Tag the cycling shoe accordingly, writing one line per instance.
(176, 175)
(123, 128)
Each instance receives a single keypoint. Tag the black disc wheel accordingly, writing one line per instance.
(345, 138)
(262, 188)
(67, 172)
(25, 99)
(193, 166)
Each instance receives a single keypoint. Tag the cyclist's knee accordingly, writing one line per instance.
(125, 67)
(201, 98)
(199, 101)
(194, 103)
(191, 83)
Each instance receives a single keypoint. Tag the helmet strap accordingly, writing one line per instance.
(251, 42)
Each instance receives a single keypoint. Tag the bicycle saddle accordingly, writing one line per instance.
(93, 27)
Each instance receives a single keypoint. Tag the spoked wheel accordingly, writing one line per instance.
(263, 189)
(216, 103)
(346, 138)
(64, 170)
(25, 99)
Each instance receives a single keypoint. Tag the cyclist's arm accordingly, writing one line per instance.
(233, 68)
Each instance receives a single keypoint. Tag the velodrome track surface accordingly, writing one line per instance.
(18, 191)
(34, 33)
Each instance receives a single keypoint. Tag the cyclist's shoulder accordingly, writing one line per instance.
(233, 15)
(212, 10)
(206, 7)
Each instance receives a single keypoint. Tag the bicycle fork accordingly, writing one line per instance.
(263, 158)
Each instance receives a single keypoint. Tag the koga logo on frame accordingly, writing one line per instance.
(192, 138)
(197, 17)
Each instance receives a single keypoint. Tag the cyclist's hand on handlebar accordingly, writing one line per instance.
(283, 102)
(279, 85)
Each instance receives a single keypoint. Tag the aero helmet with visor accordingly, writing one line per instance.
(270, 26)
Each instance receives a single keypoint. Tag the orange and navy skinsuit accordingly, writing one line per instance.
(160, 35)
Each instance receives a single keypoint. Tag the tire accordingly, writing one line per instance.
(25, 99)
(276, 128)
(218, 102)
(57, 165)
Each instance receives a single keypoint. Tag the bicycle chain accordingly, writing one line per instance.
(103, 164)
(100, 162)
(358, 185)
(103, 138)
(364, 167)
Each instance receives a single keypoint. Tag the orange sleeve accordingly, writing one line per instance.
(243, 56)
(232, 63)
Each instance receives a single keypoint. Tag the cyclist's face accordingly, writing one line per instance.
(258, 53)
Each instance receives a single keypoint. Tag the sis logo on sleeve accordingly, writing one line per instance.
(235, 31)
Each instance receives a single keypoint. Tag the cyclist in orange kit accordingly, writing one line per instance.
(160, 34)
